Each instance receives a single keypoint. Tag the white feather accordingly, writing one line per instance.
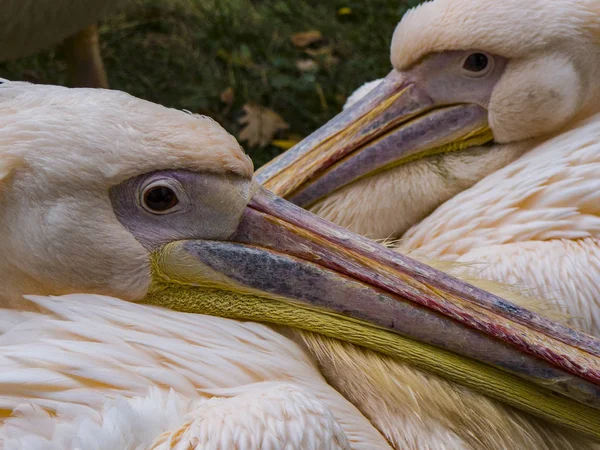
(99, 373)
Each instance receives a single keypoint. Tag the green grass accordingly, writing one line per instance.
(184, 53)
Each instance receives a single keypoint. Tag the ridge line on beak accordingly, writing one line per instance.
(570, 348)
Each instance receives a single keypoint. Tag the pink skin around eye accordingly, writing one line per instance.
(209, 207)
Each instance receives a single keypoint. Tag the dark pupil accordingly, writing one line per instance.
(160, 198)
(476, 62)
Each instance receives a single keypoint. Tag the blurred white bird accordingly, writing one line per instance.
(28, 26)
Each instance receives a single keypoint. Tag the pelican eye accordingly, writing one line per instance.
(159, 199)
(477, 64)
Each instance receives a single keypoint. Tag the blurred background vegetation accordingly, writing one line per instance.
(270, 71)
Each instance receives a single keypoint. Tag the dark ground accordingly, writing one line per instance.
(216, 56)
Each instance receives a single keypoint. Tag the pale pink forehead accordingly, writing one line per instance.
(510, 28)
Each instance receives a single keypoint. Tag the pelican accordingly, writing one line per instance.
(113, 208)
(28, 26)
(481, 146)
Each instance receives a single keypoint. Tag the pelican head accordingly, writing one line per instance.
(104, 193)
(474, 84)
(64, 151)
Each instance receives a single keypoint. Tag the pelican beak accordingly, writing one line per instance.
(287, 266)
(395, 123)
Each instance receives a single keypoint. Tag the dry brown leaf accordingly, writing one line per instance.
(321, 52)
(306, 65)
(324, 56)
(227, 96)
(261, 125)
(306, 38)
